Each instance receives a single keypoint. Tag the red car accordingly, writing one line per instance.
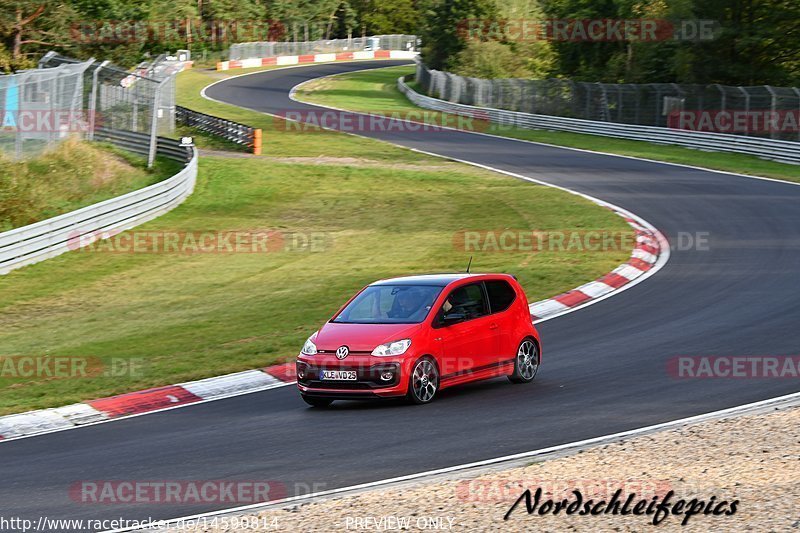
(413, 336)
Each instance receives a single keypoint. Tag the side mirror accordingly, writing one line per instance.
(453, 318)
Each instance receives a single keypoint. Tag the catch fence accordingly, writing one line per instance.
(65, 97)
(329, 46)
(763, 111)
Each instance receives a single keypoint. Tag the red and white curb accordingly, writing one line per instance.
(255, 62)
(645, 256)
(145, 401)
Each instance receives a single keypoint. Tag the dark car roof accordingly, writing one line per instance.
(439, 280)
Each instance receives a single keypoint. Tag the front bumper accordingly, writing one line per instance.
(369, 382)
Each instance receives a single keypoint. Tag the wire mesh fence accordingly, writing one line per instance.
(274, 48)
(66, 97)
(41, 107)
(763, 111)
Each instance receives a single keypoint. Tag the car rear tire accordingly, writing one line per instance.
(423, 383)
(317, 402)
(526, 363)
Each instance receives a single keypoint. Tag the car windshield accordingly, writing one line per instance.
(390, 304)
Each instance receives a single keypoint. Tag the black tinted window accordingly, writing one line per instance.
(468, 300)
(390, 304)
(501, 295)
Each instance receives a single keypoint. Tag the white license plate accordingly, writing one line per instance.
(338, 375)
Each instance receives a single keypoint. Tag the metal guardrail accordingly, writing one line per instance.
(777, 150)
(226, 129)
(139, 143)
(49, 238)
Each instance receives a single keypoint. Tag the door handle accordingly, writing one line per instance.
(493, 326)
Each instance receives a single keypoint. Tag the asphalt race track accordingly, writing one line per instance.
(604, 368)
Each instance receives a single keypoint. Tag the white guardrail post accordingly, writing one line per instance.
(777, 150)
(93, 99)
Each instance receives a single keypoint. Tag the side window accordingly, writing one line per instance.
(501, 295)
(468, 300)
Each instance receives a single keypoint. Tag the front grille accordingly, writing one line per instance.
(367, 378)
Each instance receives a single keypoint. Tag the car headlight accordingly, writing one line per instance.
(309, 348)
(392, 348)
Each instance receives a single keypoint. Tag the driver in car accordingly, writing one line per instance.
(409, 305)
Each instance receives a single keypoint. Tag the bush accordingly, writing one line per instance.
(490, 59)
(68, 176)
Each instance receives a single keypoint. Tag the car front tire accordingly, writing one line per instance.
(526, 363)
(423, 383)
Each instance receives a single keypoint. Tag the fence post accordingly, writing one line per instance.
(151, 154)
(18, 83)
(604, 103)
(46, 59)
(722, 100)
(93, 100)
(797, 92)
(773, 108)
(587, 91)
(746, 109)
(257, 141)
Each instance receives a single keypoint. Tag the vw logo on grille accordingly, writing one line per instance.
(342, 352)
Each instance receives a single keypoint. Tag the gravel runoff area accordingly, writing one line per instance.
(753, 460)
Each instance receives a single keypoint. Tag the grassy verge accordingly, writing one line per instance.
(376, 91)
(378, 211)
(72, 175)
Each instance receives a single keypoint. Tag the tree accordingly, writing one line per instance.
(443, 37)
(5, 59)
(26, 23)
(347, 19)
(757, 44)
(380, 17)
(490, 59)
(754, 42)
(304, 19)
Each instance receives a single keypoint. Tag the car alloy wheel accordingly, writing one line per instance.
(526, 364)
(424, 381)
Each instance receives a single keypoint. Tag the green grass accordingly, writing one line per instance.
(376, 91)
(69, 176)
(189, 316)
